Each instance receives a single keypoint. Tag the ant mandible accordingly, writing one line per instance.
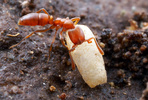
(75, 33)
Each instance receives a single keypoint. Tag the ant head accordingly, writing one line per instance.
(68, 24)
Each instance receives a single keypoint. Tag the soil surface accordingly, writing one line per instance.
(25, 73)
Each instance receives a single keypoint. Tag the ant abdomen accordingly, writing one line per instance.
(34, 19)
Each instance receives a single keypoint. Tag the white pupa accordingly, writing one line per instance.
(88, 59)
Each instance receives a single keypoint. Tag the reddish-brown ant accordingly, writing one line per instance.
(75, 33)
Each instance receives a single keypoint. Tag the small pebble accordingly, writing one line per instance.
(52, 88)
(145, 60)
(15, 90)
(62, 96)
(143, 48)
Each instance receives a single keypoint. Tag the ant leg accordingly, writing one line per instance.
(89, 40)
(42, 9)
(76, 19)
(50, 49)
(72, 62)
(72, 49)
(30, 36)
(62, 39)
(99, 48)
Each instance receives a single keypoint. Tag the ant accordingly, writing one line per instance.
(75, 32)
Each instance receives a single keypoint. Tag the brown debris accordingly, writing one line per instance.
(52, 88)
(62, 96)
(133, 25)
(15, 90)
(13, 35)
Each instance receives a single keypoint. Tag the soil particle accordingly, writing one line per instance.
(14, 90)
(62, 96)
(52, 88)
